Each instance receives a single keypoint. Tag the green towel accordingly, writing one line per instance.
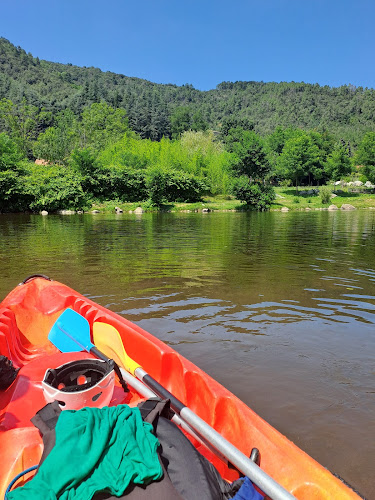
(96, 450)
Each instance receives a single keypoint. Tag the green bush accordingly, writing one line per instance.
(325, 194)
(253, 194)
(12, 170)
(13, 196)
(173, 185)
(369, 171)
(123, 183)
(53, 187)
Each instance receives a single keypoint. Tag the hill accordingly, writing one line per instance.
(347, 112)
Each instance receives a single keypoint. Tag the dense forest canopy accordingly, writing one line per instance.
(347, 112)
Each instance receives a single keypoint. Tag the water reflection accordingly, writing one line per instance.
(280, 308)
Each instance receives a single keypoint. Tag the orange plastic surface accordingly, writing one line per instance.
(26, 316)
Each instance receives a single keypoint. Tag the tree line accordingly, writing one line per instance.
(96, 156)
(155, 111)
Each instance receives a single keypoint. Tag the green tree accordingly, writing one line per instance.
(180, 121)
(102, 125)
(254, 194)
(234, 121)
(300, 156)
(53, 187)
(250, 157)
(338, 163)
(10, 154)
(12, 171)
(365, 155)
(198, 123)
(20, 122)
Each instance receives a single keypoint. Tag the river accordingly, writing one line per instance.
(279, 308)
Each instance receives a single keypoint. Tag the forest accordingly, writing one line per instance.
(101, 136)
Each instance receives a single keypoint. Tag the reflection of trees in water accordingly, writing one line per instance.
(248, 252)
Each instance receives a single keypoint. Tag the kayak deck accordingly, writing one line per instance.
(26, 317)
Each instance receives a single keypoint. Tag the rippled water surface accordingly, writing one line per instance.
(280, 308)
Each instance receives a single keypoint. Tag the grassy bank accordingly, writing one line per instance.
(285, 197)
(288, 197)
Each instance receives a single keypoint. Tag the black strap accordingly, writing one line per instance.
(124, 385)
(7, 372)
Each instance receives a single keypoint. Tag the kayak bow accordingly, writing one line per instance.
(28, 314)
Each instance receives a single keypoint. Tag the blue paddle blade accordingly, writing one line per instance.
(71, 332)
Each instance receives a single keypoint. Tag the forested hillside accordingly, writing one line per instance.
(346, 112)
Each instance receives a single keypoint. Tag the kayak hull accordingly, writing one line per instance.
(26, 317)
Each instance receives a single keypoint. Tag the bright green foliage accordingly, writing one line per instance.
(250, 157)
(196, 153)
(99, 126)
(338, 163)
(173, 185)
(102, 125)
(10, 154)
(12, 192)
(369, 172)
(54, 187)
(57, 142)
(325, 194)
(12, 169)
(207, 159)
(84, 162)
(21, 123)
(254, 194)
(365, 155)
(53, 146)
(300, 158)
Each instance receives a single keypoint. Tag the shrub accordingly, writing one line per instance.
(12, 170)
(54, 187)
(369, 172)
(325, 194)
(84, 163)
(253, 194)
(13, 196)
(173, 185)
(123, 183)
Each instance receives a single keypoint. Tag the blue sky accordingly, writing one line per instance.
(202, 42)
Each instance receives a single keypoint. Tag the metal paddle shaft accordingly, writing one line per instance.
(231, 453)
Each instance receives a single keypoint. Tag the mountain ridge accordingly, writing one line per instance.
(348, 112)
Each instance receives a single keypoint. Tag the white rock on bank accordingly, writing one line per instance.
(66, 212)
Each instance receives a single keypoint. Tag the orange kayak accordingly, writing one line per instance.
(27, 315)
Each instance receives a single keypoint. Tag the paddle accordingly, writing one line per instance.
(76, 332)
(71, 333)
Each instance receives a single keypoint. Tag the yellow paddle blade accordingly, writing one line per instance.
(108, 340)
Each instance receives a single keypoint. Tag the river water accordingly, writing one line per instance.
(279, 308)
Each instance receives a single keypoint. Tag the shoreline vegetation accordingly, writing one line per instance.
(287, 199)
(96, 153)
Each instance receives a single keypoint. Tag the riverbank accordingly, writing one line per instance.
(285, 198)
